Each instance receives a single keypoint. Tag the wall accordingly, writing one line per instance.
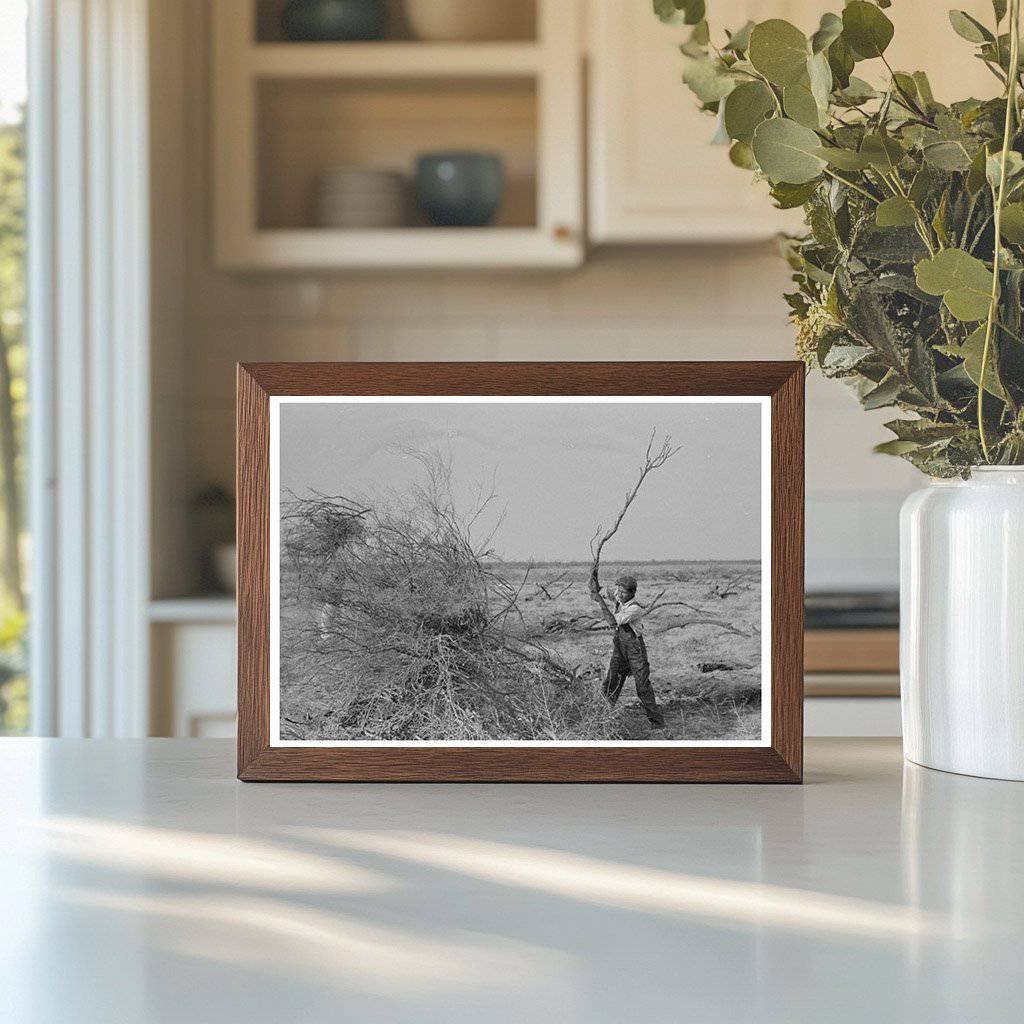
(651, 303)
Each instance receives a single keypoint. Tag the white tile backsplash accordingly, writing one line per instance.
(853, 540)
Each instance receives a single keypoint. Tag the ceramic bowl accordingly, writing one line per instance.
(460, 189)
(333, 21)
(359, 197)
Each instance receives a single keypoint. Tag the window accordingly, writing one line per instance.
(14, 691)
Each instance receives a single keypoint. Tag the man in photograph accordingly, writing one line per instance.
(629, 652)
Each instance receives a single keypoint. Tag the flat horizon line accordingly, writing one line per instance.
(621, 561)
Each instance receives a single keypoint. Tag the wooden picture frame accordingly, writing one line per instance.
(778, 759)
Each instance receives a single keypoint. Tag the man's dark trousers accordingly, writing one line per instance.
(629, 658)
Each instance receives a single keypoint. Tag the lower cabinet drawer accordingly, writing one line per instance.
(193, 679)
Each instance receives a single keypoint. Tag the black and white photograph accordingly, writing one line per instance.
(519, 570)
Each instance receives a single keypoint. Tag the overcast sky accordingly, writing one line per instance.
(561, 469)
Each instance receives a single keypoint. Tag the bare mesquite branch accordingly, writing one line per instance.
(588, 624)
(683, 623)
(652, 461)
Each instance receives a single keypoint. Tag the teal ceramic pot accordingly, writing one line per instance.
(460, 189)
(334, 21)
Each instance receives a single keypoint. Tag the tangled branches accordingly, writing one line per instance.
(397, 615)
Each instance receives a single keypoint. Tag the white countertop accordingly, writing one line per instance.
(140, 882)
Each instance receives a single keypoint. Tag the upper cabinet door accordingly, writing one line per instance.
(654, 176)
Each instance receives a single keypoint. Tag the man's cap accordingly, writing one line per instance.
(627, 583)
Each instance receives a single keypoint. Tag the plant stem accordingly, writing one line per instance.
(980, 232)
(907, 99)
(1011, 109)
(775, 98)
(853, 185)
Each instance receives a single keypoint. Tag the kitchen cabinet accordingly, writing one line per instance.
(288, 114)
(654, 177)
(192, 646)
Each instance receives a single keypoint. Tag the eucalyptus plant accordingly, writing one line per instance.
(910, 278)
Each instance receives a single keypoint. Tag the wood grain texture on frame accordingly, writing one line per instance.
(781, 761)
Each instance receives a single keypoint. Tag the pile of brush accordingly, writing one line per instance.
(400, 626)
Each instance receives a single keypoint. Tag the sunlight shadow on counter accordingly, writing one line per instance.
(643, 889)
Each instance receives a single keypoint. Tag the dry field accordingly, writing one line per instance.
(707, 678)
(703, 640)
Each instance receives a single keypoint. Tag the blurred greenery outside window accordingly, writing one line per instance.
(14, 539)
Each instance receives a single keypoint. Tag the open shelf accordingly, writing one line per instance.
(406, 248)
(309, 127)
(388, 60)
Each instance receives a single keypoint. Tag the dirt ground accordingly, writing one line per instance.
(707, 678)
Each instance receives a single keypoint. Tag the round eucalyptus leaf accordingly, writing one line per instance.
(788, 197)
(895, 212)
(896, 447)
(976, 173)
(707, 79)
(994, 166)
(883, 152)
(1012, 224)
(969, 28)
(924, 87)
(947, 156)
(693, 11)
(741, 155)
(739, 41)
(844, 159)
(963, 281)
(857, 91)
(665, 10)
(701, 34)
(840, 61)
(801, 106)
(829, 30)
(819, 74)
(690, 12)
(905, 84)
(972, 351)
(866, 29)
(779, 51)
(787, 152)
(921, 187)
(745, 108)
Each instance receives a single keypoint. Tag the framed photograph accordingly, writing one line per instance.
(578, 572)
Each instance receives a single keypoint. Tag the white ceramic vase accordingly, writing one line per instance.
(962, 624)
